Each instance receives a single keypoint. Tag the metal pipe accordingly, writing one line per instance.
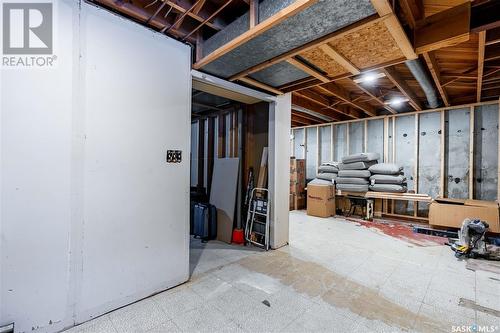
(424, 81)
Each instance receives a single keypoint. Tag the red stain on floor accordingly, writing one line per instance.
(402, 231)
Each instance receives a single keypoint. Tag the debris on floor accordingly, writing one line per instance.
(402, 231)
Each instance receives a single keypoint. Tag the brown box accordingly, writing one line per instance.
(321, 200)
(452, 212)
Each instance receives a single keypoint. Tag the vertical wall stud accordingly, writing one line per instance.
(348, 125)
(393, 139)
(416, 166)
(292, 143)
(442, 150)
(386, 140)
(366, 137)
(471, 152)
(498, 164)
(332, 145)
(317, 148)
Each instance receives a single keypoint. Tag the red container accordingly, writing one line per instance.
(238, 236)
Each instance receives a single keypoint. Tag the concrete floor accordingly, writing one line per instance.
(335, 276)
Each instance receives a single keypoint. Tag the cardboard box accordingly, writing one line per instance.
(452, 212)
(321, 200)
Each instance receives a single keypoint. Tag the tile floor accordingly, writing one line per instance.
(335, 276)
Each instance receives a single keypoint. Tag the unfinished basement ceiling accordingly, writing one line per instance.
(320, 50)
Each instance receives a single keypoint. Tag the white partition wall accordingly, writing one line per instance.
(92, 216)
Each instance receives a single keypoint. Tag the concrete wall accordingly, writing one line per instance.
(325, 142)
(403, 145)
(312, 152)
(83, 147)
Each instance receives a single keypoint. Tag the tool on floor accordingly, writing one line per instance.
(472, 243)
(257, 225)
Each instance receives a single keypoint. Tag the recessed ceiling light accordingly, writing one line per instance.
(396, 101)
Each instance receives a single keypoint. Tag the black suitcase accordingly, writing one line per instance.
(205, 221)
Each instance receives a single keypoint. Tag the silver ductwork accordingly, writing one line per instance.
(424, 81)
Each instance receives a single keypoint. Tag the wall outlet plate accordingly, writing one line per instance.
(174, 156)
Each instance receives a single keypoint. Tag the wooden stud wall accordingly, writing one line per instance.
(392, 158)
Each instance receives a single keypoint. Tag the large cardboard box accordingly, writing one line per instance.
(321, 200)
(452, 212)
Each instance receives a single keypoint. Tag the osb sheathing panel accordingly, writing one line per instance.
(368, 47)
(321, 60)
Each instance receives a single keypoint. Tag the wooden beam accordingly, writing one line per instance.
(326, 103)
(431, 61)
(342, 94)
(260, 28)
(201, 153)
(308, 69)
(261, 85)
(372, 95)
(413, 11)
(305, 103)
(471, 152)
(447, 28)
(485, 16)
(480, 64)
(197, 17)
(340, 59)
(179, 21)
(208, 19)
(403, 87)
(367, 22)
(392, 24)
(254, 13)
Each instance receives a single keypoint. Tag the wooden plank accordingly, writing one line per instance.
(254, 13)
(446, 28)
(179, 21)
(471, 152)
(347, 129)
(342, 94)
(326, 103)
(433, 66)
(193, 15)
(403, 87)
(369, 21)
(210, 152)
(308, 69)
(365, 143)
(442, 153)
(480, 65)
(332, 148)
(413, 11)
(262, 180)
(384, 8)
(214, 14)
(221, 136)
(259, 29)
(260, 85)
(300, 100)
(416, 166)
(332, 53)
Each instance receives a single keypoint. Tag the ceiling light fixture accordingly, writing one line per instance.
(369, 78)
(396, 101)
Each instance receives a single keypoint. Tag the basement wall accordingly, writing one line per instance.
(92, 218)
(415, 142)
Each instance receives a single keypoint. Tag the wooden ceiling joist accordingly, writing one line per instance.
(260, 28)
(432, 64)
(308, 104)
(383, 8)
(403, 87)
(308, 69)
(447, 28)
(261, 85)
(208, 19)
(194, 16)
(376, 98)
(480, 64)
(340, 59)
(342, 94)
(326, 103)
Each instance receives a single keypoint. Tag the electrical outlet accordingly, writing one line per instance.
(174, 156)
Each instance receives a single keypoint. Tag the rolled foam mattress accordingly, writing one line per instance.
(327, 176)
(356, 165)
(387, 179)
(362, 157)
(317, 181)
(355, 173)
(385, 169)
(352, 187)
(388, 188)
(352, 180)
(328, 168)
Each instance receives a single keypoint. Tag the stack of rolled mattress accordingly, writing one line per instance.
(328, 171)
(353, 172)
(387, 177)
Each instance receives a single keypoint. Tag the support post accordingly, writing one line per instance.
(471, 151)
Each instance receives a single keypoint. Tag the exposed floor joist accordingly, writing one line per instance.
(432, 63)
(480, 64)
(403, 87)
